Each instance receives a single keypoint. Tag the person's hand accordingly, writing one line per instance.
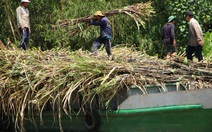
(174, 42)
(200, 43)
(30, 31)
(22, 28)
(90, 18)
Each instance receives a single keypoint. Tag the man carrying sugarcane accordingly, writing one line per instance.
(23, 23)
(99, 19)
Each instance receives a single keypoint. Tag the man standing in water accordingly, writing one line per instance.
(196, 39)
(23, 23)
(105, 33)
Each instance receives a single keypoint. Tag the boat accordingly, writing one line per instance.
(171, 107)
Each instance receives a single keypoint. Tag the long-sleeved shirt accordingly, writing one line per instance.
(195, 33)
(23, 17)
(168, 33)
(105, 28)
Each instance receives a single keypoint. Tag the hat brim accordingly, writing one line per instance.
(172, 19)
(25, 1)
(99, 15)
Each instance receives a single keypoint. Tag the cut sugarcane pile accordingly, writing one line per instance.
(29, 79)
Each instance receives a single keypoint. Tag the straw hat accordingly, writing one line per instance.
(27, 1)
(98, 13)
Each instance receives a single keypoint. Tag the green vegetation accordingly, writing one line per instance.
(59, 67)
(148, 39)
(207, 49)
(201, 9)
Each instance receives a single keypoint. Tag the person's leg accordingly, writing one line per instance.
(174, 50)
(198, 53)
(189, 52)
(95, 45)
(24, 38)
(167, 49)
(107, 45)
(168, 55)
(27, 37)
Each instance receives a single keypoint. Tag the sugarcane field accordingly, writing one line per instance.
(75, 69)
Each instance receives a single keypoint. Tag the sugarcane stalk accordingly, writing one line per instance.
(11, 21)
(135, 11)
(33, 78)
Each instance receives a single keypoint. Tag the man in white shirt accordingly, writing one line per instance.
(196, 39)
(23, 23)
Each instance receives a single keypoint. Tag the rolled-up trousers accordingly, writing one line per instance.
(99, 41)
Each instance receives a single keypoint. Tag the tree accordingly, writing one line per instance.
(125, 31)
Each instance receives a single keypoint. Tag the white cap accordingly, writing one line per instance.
(25, 1)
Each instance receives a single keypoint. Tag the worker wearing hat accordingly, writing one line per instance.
(168, 36)
(23, 23)
(100, 20)
(196, 39)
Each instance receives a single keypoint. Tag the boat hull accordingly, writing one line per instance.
(173, 118)
(132, 111)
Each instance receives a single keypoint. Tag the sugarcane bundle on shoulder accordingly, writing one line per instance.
(139, 12)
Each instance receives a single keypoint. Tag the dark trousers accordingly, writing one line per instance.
(24, 38)
(99, 41)
(198, 52)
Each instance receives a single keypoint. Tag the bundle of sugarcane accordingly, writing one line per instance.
(139, 12)
(30, 79)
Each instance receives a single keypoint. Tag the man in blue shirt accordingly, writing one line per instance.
(105, 32)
